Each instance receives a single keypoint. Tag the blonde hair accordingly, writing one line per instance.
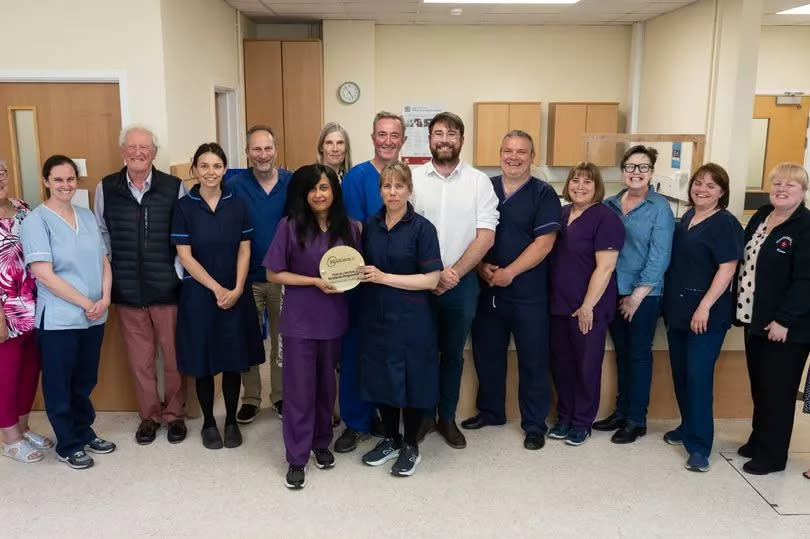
(399, 169)
(790, 171)
(328, 129)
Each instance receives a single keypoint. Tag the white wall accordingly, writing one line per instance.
(77, 38)
(676, 70)
(784, 59)
(455, 66)
(201, 51)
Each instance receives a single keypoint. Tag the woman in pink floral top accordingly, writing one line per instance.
(19, 358)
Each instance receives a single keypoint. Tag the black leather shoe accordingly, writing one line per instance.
(477, 422)
(177, 431)
(451, 434)
(759, 468)
(233, 436)
(534, 441)
(611, 422)
(628, 434)
(428, 425)
(746, 451)
(146, 432)
(211, 438)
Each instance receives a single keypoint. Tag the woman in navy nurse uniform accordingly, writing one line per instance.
(217, 329)
(398, 352)
(699, 306)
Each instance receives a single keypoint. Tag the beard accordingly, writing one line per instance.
(446, 157)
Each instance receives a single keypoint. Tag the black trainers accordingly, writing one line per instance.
(347, 441)
(246, 414)
(323, 458)
(407, 462)
(386, 449)
(277, 406)
(99, 446)
(78, 460)
(296, 477)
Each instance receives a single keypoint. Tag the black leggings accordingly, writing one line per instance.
(412, 417)
(231, 384)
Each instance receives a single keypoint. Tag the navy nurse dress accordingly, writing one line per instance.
(397, 348)
(211, 340)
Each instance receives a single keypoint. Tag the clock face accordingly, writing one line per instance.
(349, 92)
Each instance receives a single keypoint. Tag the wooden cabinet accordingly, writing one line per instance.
(567, 122)
(284, 89)
(494, 119)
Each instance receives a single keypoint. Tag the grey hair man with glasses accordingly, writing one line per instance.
(133, 207)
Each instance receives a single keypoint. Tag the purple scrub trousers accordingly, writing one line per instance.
(309, 395)
(576, 368)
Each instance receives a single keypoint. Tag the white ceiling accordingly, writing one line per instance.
(600, 12)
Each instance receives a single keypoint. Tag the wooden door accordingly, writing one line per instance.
(491, 123)
(80, 120)
(787, 132)
(526, 117)
(302, 72)
(264, 96)
(566, 126)
(602, 118)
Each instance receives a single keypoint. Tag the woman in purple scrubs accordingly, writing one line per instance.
(583, 300)
(314, 315)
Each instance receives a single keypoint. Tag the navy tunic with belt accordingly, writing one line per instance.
(211, 340)
(398, 351)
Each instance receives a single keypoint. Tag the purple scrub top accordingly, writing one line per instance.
(573, 260)
(307, 313)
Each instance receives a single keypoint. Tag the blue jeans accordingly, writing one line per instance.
(69, 373)
(633, 343)
(455, 310)
(693, 358)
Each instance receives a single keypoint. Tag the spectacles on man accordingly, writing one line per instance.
(132, 148)
(3, 174)
(641, 167)
(449, 135)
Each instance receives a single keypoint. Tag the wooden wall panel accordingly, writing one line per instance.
(566, 125)
(302, 68)
(264, 97)
(602, 118)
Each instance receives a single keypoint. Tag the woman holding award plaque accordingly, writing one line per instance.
(397, 348)
(314, 315)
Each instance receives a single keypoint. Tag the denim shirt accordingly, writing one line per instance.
(644, 259)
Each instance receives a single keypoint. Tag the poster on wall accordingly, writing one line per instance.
(416, 149)
(676, 155)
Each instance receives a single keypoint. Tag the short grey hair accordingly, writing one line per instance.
(518, 133)
(122, 137)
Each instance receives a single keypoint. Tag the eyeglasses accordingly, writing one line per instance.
(3, 174)
(449, 135)
(632, 167)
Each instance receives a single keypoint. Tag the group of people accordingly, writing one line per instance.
(449, 253)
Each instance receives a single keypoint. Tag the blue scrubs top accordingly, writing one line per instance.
(533, 210)
(361, 191)
(265, 209)
(696, 255)
(76, 256)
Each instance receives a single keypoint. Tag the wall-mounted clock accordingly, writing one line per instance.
(349, 92)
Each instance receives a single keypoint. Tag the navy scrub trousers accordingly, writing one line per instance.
(70, 360)
(495, 320)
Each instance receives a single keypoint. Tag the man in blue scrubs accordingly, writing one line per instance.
(514, 294)
(263, 187)
(361, 195)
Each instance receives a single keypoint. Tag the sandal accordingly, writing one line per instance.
(37, 440)
(22, 451)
